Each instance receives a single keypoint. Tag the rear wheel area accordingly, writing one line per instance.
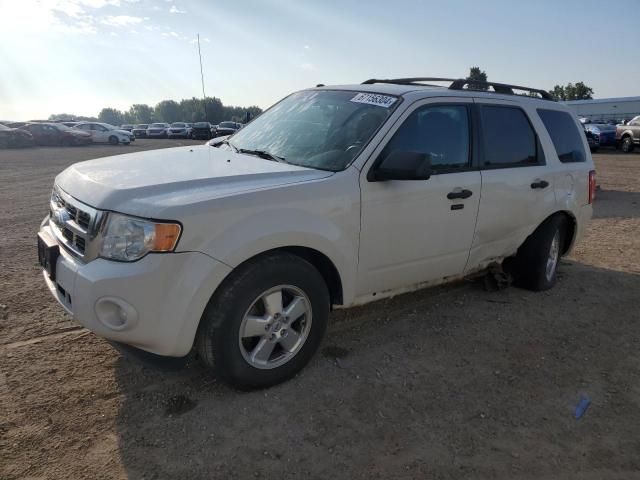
(536, 263)
(265, 322)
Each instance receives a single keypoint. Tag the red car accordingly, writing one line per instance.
(56, 134)
(14, 137)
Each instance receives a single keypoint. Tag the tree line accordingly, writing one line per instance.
(570, 91)
(186, 110)
(212, 109)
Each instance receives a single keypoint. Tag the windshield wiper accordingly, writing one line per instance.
(262, 154)
(226, 142)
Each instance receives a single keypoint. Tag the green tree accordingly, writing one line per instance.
(558, 93)
(140, 113)
(479, 75)
(111, 116)
(167, 111)
(577, 91)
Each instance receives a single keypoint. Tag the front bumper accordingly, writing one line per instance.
(154, 304)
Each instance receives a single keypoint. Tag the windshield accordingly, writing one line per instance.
(178, 125)
(319, 129)
(142, 125)
(227, 125)
(201, 125)
(157, 125)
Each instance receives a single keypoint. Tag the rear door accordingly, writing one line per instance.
(99, 133)
(517, 185)
(411, 231)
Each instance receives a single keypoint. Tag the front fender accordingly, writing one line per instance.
(322, 215)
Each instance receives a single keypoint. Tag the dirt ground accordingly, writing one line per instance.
(452, 382)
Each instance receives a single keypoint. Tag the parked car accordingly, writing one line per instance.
(56, 134)
(105, 133)
(179, 130)
(15, 124)
(226, 128)
(606, 134)
(140, 130)
(127, 126)
(201, 131)
(628, 135)
(335, 196)
(592, 140)
(14, 137)
(69, 123)
(158, 130)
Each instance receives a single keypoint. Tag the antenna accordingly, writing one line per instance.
(204, 96)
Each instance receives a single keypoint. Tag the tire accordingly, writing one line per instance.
(239, 306)
(113, 140)
(537, 260)
(627, 144)
(593, 149)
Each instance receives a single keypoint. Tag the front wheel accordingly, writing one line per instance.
(627, 144)
(113, 140)
(265, 322)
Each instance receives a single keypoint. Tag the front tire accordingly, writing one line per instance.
(113, 140)
(538, 258)
(265, 322)
(627, 144)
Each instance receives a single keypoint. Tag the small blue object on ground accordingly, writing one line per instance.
(582, 406)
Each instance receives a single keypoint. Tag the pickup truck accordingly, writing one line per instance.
(628, 136)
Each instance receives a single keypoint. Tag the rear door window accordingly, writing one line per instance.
(564, 134)
(508, 138)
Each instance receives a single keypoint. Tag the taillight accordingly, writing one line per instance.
(592, 186)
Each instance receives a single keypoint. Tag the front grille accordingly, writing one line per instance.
(72, 222)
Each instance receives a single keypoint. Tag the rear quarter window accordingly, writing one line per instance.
(564, 133)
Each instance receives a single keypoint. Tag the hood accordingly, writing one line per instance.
(124, 132)
(148, 183)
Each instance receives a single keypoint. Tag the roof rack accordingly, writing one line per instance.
(460, 83)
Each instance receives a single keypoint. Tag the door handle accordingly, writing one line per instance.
(459, 194)
(540, 184)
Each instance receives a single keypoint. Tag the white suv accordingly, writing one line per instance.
(335, 196)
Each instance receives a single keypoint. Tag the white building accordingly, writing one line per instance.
(622, 108)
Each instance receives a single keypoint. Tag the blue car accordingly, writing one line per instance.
(606, 134)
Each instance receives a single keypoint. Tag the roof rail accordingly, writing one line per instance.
(408, 81)
(460, 83)
(504, 88)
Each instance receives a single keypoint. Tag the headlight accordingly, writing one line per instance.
(129, 238)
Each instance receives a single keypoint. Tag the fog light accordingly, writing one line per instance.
(116, 314)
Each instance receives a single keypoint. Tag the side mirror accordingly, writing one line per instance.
(400, 165)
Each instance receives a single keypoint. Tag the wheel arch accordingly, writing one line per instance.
(570, 228)
(318, 259)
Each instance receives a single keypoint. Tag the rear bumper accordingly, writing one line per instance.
(154, 304)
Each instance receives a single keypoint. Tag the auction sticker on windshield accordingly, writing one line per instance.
(374, 99)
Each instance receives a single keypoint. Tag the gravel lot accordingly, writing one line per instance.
(452, 382)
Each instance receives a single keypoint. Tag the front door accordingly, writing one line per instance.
(415, 231)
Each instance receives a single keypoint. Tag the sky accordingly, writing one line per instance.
(78, 56)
